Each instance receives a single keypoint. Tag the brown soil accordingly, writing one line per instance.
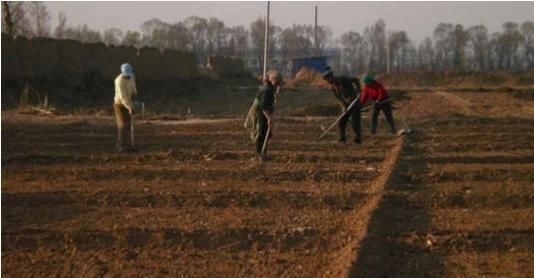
(454, 198)
(458, 80)
(461, 203)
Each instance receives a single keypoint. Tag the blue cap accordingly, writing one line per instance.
(126, 69)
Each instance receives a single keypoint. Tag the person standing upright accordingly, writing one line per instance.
(123, 106)
(260, 116)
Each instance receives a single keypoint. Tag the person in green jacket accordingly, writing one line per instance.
(260, 116)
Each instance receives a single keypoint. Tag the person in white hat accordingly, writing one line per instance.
(123, 105)
(260, 117)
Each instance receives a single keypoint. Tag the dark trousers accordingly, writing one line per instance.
(386, 108)
(262, 132)
(355, 113)
(122, 117)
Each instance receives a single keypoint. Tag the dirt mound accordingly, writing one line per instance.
(307, 76)
(457, 79)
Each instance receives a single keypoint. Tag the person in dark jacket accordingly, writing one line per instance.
(266, 97)
(375, 92)
(346, 90)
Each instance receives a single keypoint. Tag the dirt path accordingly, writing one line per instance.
(358, 224)
(447, 206)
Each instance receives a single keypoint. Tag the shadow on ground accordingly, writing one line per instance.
(397, 244)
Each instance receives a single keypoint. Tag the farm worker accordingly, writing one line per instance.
(375, 92)
(123, 105)
(346, 90)
(260, 116)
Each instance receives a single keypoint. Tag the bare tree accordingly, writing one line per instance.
(7, 27)
(239, 36)
(112, 36)
(18, 17)
(375, 37)
(257, 35)
(61, 27)
(527, 30)
(215, 35)
(354, 52)
(444, 45)
(324, 37)
(496, 52)
(409, 57)
(510, 41)
(296, 41)
(155, 33)
(398, 47)
(41, 19)
(89, 36)
(132, 38)
(478, 36)
(426, 55)
(197, 27)
(178, 36)
(459, 39)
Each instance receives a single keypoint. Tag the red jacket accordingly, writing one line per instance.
(374, 91)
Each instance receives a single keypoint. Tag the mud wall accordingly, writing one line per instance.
(72, 62)
(75, 74)
(228, 67)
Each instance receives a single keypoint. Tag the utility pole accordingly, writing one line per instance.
(266, 41)
(387, 53)
(316, 43)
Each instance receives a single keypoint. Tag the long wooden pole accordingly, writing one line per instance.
(132, 133)
(315, 42)
(264, 147)
(266, 41)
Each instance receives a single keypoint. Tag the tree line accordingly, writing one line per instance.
(451, 47)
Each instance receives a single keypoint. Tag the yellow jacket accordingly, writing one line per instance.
(125, 90)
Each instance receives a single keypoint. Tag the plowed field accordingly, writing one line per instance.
(453, 198)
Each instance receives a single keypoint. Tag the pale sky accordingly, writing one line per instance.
(418, 19)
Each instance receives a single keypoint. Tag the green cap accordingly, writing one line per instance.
(368, 78)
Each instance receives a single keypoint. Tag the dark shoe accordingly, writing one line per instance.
(341, 140)
(262, 157)
(357, 141)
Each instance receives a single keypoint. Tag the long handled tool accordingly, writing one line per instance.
(339, 118)
(367, 107)
(276, 96)
(266, 139)
(132, 135)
